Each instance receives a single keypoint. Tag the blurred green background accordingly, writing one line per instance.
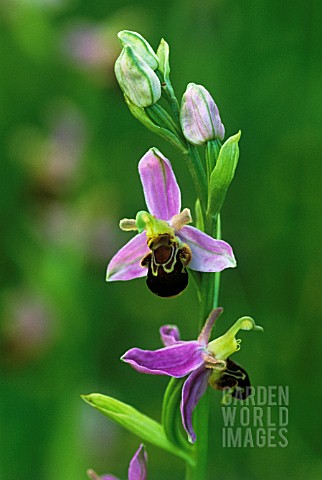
(69, 154)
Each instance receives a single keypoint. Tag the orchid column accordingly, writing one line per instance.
(166, 248)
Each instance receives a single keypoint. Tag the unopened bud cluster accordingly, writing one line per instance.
(138, 70)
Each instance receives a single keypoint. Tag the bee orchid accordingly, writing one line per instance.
(203, 362)
(165, 244)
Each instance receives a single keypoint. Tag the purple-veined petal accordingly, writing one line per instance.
(161, 191)
(175, 361)
(208, 254)
(126, 264)
(208, 326)
(170, 335)
(137, 468)
(193, 389)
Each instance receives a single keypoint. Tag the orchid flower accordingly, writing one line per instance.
(137, 468)
(204, 362)
(165, 245)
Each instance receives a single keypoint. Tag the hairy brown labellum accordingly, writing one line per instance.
(166, 263)
(235, 379)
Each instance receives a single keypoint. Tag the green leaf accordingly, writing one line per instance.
(222, 175)
(136, 422)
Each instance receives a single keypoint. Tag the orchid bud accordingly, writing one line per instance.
(200, 119)
(136, 79)
(140, 47)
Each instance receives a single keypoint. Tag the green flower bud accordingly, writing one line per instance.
(199, 116)
(136, 79)
(140, 47)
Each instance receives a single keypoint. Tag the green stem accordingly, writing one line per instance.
(210, 284)
(169, 94)
(198, 174)
(199, 470)
(217, 274)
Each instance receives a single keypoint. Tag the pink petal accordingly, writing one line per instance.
(126, 264)
(137, 468)
(170, 335)
(176, 361)
(161, 191)
(208, 254)
(193, 389)
(208, 326)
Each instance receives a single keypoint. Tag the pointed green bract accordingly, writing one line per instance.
(163, 56)
(198, 216)
(136, 422)
(143, 117)
(161, 118)
(223, 173)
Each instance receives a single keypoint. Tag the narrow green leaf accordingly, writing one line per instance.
(136, 422)
(222, 175)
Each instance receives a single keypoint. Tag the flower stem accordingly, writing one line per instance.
(201, 424)
(198, 174)
(217, 274)
(210, 285)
